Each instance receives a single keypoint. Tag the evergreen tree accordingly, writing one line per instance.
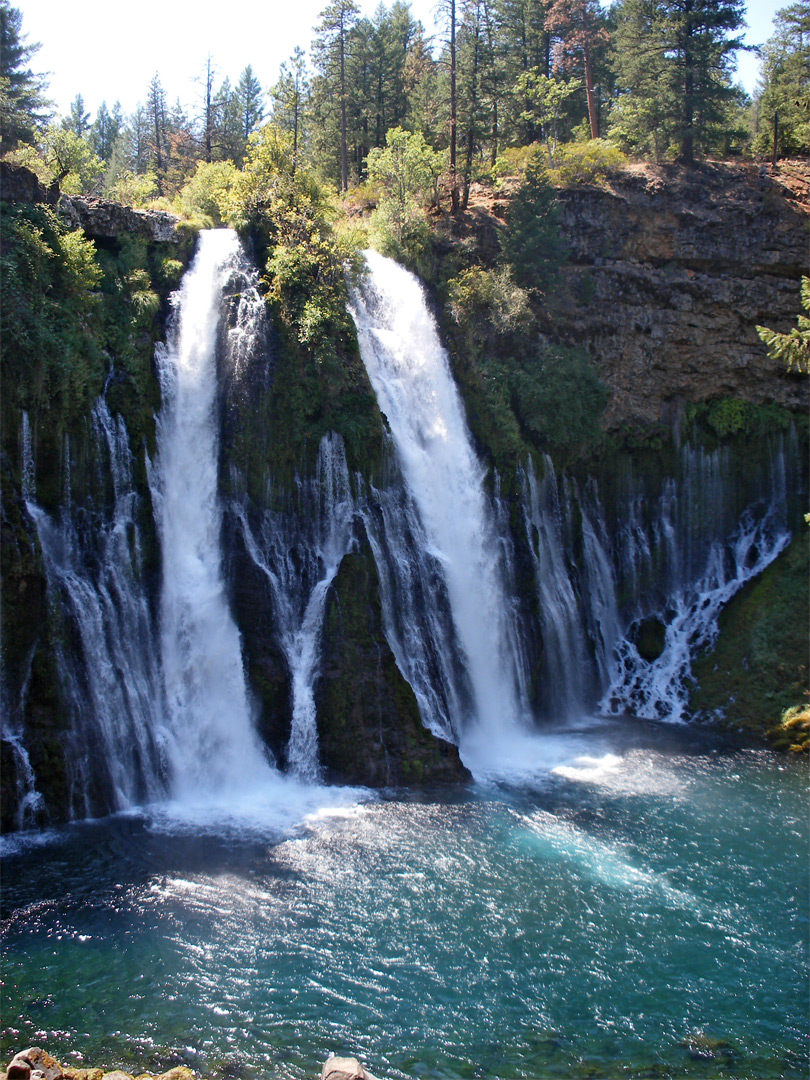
(106, 129)
(330, 52)
(582, 32)
(532, 246)
(249, 96)
(783, 99)
(77, 120)
(289, 99)
(524, 44)
(157, 140)
(673, 58)
(24, 109)
(228, 141)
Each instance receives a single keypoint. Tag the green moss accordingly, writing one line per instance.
(369, 727)
(759, 666)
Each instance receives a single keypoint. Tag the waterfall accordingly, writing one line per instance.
(561, 624)
(212, 744)
(93, 568)
(410, 373)
(299, 554)
(674, 552)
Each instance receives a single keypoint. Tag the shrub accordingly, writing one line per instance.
(587, 162)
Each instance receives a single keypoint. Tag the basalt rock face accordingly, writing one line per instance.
(670, 270)
(369, 728)
(103, 221)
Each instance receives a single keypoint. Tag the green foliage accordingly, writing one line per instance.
(532, 245)
(71, 161)
(673, 63)
(732, 417)
(521, 395)
(203, 196)
(587, 162)
(559, 399)
(406, 171)
(513, 160)
(786, 85)
(24, 110)
(132, 189)
(759, 667)
(793, 349)
(546, 98)
(51, 357)
(478, 294)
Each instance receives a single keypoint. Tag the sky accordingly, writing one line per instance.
(92, 50)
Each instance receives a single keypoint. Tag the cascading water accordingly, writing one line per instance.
(674, 556)
(299, 554)
(93, 567)
(212, 744)
(410, 373)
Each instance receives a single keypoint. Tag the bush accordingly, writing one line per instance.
(558, 398)
(587, 162)
(490, 294)
(204, 195)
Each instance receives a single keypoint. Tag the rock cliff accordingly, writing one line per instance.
(669, 272)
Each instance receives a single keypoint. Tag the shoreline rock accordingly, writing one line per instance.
(37, 1064)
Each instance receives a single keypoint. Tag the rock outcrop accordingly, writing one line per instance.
(670, 271)
(369, 728)
(103, 220)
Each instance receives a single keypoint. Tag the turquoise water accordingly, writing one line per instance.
(633, 903)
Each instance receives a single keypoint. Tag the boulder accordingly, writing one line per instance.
(340, 1068)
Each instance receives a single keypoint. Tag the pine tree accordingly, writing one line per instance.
(673, 61)
(783, 100)
(77, 120)
(289, 99)
(24, 109)
(330, 52)
(106, 129)
(581, 27)
(157, 141)
(249, 95)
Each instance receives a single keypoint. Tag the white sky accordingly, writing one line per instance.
(94, 50)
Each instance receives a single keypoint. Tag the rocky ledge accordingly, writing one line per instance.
(99, 219)
(38, 1064)
(102, 220)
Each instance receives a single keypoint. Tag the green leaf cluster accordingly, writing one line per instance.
(793, 349)
(52, 359)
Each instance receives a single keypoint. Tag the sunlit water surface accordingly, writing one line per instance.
(631, 902)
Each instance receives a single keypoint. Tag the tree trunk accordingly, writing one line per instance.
(453, 177)
(593, 116)
(344, 161)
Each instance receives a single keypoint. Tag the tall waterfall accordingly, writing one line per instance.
(410, 373)
(211, 740)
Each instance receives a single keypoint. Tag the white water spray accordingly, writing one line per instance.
(300, 554)
(410, 373)
(213, 746)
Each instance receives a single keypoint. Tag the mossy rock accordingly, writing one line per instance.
(650, 637)
(369, 728)
(759, 665)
